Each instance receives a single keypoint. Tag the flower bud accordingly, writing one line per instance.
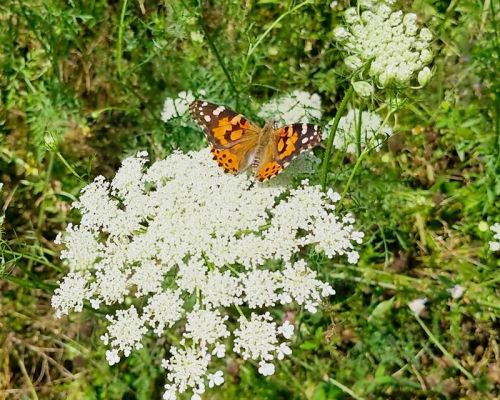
(351, 15)
(384, 78)
(396, 18)
(425, 35)
(353, 63)
(341, 34)
(363, 89)
(426, 56)
(50, 141)
(424, 76)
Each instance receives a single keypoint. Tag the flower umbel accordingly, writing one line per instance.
(372, 131)
(388, 45)
(298, 106)
(495, 243)
(183, 243)
(177, 107)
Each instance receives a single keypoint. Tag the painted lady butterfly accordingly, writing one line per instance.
(238, 144)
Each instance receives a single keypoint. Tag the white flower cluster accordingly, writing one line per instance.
(178, 107)
(173, 247)
(372, 131)
(298, 106)
(495, 243)
(389, 45)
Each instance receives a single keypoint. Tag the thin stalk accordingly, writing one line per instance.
(344, 388)
(28, 284)
(22, 367)
(119, 43)
(240, 311)
(252, 47)
(358, 131)
(32, 258)
(361, 157)
(67, 165)
(331, 137)
(443, 350)
(41, 212)
(214, 49)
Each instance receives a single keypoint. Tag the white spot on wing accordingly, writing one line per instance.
(304, 128)
(204, 104)
(207, 118)
(218, 110)
(305, 140)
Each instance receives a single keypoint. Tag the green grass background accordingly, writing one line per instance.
(82, 84)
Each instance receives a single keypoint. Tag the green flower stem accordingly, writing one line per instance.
(358, 131)
(41, 211)
(214, 49)
(119, 42)
(362, 156)
(331, 137)
(344, 388)
(32, 258)
(240, 311)
(67, 165)
(443, 350)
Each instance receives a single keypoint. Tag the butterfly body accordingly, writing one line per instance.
(237, 143)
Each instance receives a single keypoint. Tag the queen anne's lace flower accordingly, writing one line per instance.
(372, 131)
(298, 106)
(179, 106)
(205, 326)
(184, 243)
(125, 333)
(176, 107)
(71, 293)
(256, 338)
(187, 368)
(388, 45)
(299, 284)
(163, 310)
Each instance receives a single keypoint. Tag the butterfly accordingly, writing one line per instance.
(237, 144)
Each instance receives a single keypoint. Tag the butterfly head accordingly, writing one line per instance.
(270, 126)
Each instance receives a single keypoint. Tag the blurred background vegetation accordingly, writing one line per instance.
(82, 85)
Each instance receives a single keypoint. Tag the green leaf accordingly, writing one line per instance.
(382, 309)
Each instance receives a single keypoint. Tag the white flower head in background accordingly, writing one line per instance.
(417, 305)
(176, 245)
(388, 45)
(298, 106)
(457, 291)
(178, 106)
(372, 131)
(495, 243)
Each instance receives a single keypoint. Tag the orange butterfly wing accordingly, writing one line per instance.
(232, 136)
(285, 144)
